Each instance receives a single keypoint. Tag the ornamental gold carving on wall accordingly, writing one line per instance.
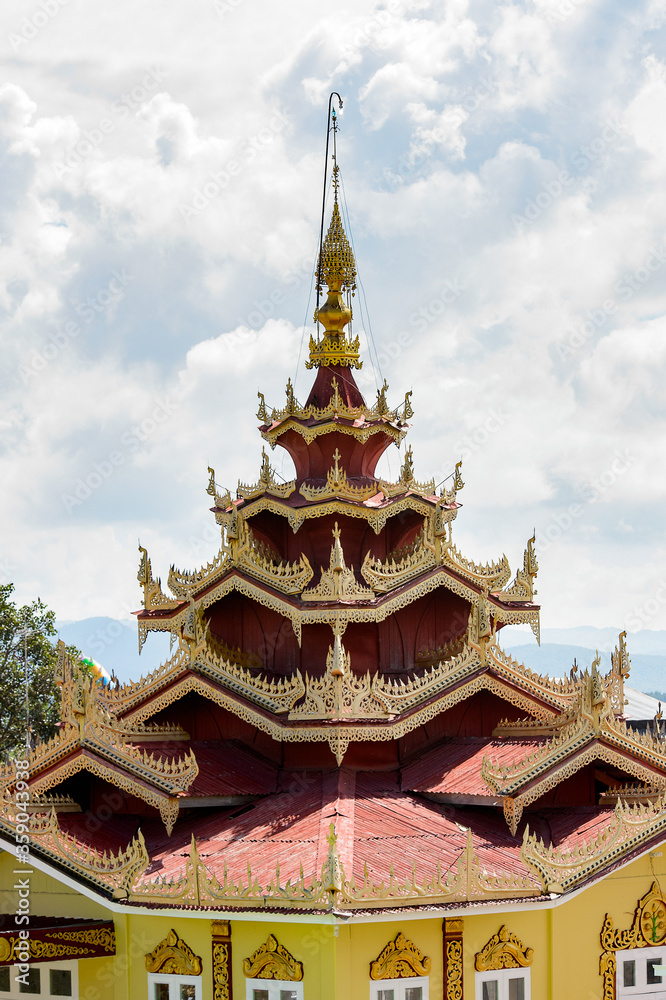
(400, 959)
(503, 951)
(221, 933)
(272, 961)
(172, 957)
(648, 929)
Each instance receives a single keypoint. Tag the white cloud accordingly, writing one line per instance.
(203, 190)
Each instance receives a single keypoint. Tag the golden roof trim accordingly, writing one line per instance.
(331, 889)
(111, 872)
(631, 827)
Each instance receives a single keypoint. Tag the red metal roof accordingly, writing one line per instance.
(455, 766)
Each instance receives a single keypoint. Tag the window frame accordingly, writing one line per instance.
(502, 976)
(399, 985)
(638, 955)
(175, 980)
(71, 965)
(273, 986)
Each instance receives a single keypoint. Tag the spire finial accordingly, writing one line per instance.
(336, 268)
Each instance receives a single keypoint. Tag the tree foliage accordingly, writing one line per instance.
(40, 650)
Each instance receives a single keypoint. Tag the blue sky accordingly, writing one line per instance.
(503, 170)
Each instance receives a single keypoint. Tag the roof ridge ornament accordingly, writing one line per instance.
(336, 268)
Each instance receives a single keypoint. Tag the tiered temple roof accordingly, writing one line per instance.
(338, 725)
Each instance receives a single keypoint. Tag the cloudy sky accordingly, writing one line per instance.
(503, 169)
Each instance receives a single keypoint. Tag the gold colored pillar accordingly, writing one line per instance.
(452, 928)
(221, 931)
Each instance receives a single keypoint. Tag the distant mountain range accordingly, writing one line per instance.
(114, 644)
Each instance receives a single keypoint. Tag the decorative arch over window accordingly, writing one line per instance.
(272, 961)
(400, 959)
(648, 929)
(172, 957)
(503, 951)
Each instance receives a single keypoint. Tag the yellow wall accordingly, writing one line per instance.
(565, 940)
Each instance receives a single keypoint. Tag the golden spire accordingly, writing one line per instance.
(336, 268)
(336, 259)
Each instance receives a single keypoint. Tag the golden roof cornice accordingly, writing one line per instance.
(84, 759)
(375, 515)
(112, 872)
(630, 827)
(332, 889)
(522, 588)
(337, 409)
(338, 582)
(338, 485)
(407, 481)
(436, 694)
(330, 608)
(152, 589)
(266, 483)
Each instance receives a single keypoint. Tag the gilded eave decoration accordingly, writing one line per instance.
(503, 951)
(400, 959)
(332, 889)
(629, 828)
(173, 957)
(111, 872)
(272, 961)
(58, 943)
(648, 930)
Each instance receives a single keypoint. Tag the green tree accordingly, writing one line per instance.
(42, 657)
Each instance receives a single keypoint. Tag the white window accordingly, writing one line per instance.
(414, 988)
(503, 984)
(639, 973)
(173, 987)
(273, 989)
(47, 980)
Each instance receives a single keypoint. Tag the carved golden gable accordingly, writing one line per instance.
(272, 961)
(400, 959)
(503, 951)
(172, 957)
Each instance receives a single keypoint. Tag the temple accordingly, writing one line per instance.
(339, 785)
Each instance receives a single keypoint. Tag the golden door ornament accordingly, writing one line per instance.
(272, 961)
(172, 957)
(400, 959)
(648, 928)
(503, 951)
